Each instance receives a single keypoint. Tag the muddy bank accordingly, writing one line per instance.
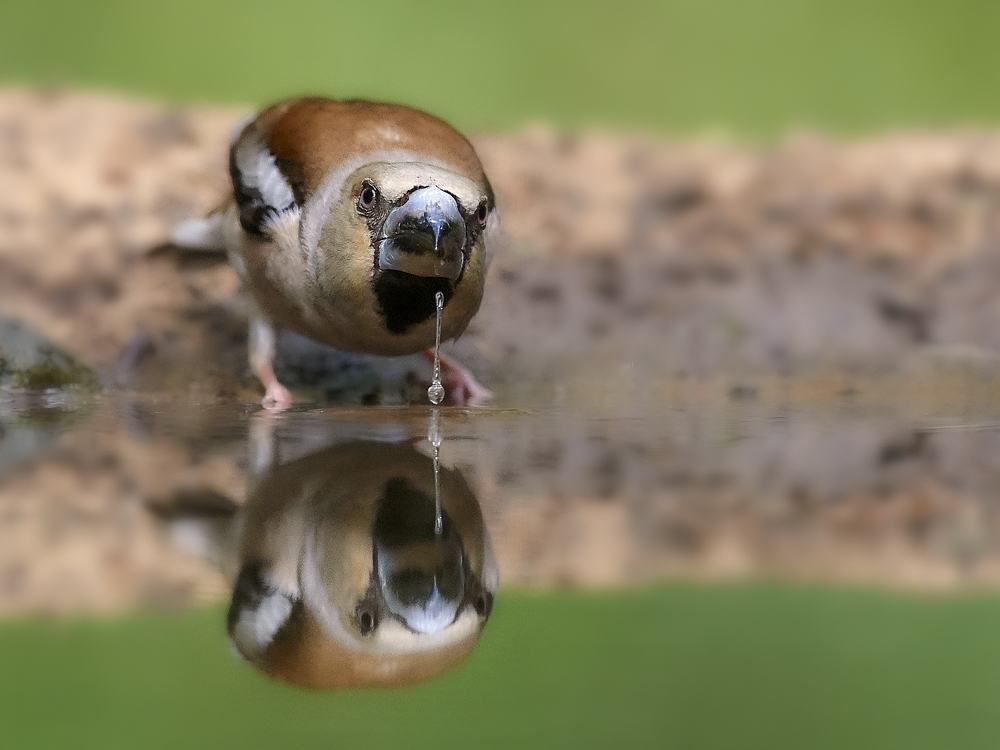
(685, 259)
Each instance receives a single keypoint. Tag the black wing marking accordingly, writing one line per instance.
(262, 191)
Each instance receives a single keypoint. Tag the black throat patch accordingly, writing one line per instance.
(405, 300)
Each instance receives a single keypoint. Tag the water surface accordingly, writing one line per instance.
(693, 570)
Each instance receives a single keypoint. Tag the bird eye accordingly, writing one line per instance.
(366, 201)
(366, 618)
(481, 214)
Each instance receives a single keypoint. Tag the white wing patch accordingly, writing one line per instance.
(255, 628)
(259, 171)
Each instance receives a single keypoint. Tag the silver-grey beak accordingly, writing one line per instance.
(423, 582)
(425, 236)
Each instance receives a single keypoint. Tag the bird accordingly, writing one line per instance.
(347, 217)
(341, 577)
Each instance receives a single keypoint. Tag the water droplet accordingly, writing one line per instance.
(434, 436)
(436, 391)
(434, 431)
(438, 517)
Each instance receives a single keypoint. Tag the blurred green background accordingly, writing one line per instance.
(681, 665)
(754, 67)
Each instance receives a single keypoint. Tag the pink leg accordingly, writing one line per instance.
(460, 386)
(276, 396)
(262, 339)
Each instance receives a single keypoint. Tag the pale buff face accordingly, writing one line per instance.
(346, 259)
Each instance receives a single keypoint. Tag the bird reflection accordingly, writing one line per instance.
(342, 578)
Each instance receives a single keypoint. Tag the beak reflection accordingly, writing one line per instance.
(421, 572)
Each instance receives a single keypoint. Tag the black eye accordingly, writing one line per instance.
(481, 214)
(366, 201)
(367, 620)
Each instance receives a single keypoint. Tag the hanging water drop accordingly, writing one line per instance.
(438, 522)
(436, 391)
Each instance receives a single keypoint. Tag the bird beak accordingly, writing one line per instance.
(423, 582)
(425, 236)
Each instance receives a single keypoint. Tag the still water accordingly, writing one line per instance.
(754, 569)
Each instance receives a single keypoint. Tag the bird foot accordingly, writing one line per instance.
(277, 397)
(460, 386)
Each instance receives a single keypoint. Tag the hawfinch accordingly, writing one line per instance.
(343, 577)
(347, 217)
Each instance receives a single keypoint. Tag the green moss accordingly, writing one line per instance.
(44, 375)
(52, 369)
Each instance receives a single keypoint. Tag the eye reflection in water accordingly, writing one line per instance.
(343, 579)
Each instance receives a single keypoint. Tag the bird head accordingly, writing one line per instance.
(414, 229)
